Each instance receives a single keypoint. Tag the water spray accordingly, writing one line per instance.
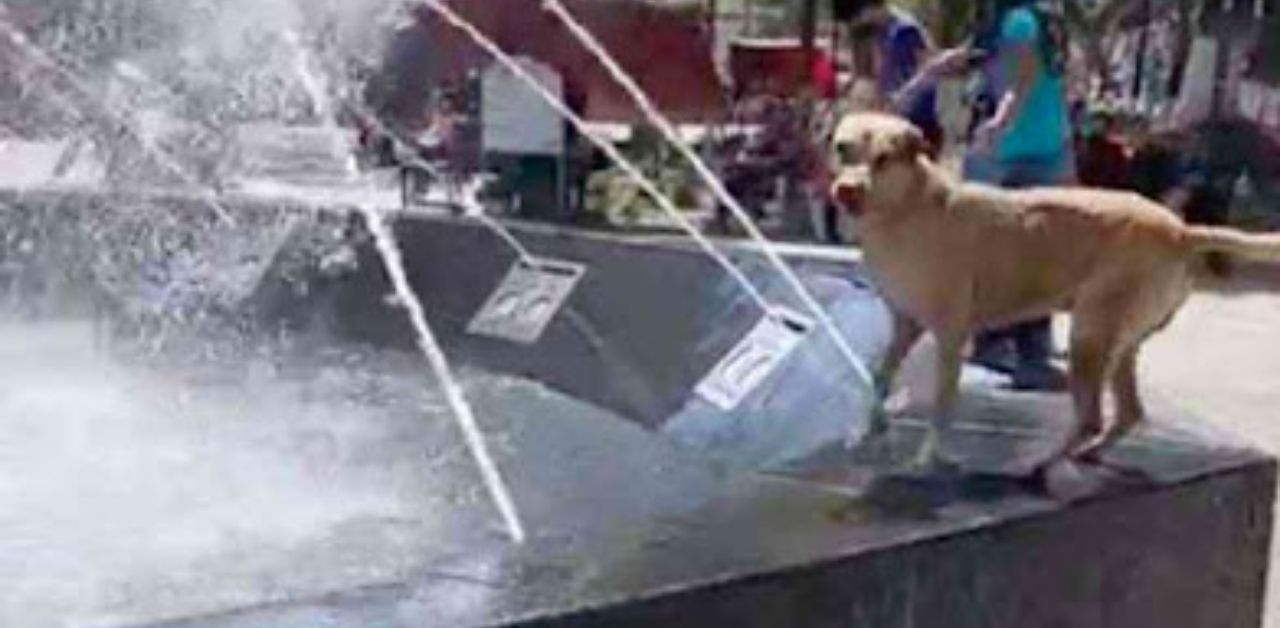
(385, 241)
(393, 261)
(44, 58)
(627, 166)
(656, 118)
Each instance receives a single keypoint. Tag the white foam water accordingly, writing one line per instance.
(37, 55)
(131, 494)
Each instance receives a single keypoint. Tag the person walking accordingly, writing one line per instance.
(1029, 141)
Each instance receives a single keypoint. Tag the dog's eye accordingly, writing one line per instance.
(847, 153)
(880, 161)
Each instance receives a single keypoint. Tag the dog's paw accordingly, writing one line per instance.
(932, 460)
(875, 448)
(937, 466)
(1118, 472)
(1065, 480)
(895, 405)
(877, 427)
(1090, 450)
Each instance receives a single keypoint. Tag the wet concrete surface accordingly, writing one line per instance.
(624, 522)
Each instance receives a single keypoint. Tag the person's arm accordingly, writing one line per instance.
(1021, 34)
(937, 66)
(1015, 100)
(908, 50)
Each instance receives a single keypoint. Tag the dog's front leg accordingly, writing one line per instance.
(950, 361)
(906, 332)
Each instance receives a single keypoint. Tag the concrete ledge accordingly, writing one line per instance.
(764, 553)
(1186, 546)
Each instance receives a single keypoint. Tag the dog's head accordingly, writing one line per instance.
(876, 159)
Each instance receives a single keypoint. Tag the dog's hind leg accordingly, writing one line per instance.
(1129, 409)
(1145, 312)
(1124, 383)
(1092, 350)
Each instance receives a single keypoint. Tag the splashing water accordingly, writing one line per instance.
(393, 261)
(135, 495)
(655, 117)
(453, 393)
(169, 284)
(323, 97)
(43, 58)
(317, 88)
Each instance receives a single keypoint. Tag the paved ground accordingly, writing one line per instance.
(1221, 360)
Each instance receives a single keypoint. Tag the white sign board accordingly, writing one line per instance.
(754, 359)
(516, 120)
(527, 299)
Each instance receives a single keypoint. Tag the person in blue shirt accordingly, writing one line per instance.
(1028, 140)
(908, 66)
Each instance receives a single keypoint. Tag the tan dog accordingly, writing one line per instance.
(955, 258)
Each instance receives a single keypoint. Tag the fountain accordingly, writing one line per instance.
(213, 409)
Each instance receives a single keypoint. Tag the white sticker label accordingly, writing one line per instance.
(527, 299)
(753, 359)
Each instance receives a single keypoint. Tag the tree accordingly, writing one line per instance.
(1096, 23)
(1091, 25)
(949, 21)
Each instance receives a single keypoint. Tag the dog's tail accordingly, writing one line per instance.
(1258, 247)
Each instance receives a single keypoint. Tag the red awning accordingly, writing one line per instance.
(781, 66)
(667, 50)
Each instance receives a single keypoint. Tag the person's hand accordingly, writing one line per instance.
(984, 138)
(949, 62)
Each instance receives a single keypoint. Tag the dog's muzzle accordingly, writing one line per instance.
(849, 196)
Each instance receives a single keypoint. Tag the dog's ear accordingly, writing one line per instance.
(911, 144)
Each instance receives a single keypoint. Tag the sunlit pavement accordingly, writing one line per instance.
(1220, 359)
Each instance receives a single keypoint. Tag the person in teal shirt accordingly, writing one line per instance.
(1029, 141)
(1030, 127)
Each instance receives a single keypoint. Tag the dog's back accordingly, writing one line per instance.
(1064, 208)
